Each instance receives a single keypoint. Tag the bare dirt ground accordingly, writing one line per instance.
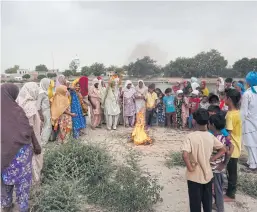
(152, 159)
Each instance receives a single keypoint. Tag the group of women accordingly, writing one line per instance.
(28, 117)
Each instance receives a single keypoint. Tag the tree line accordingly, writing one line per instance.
(204, 64)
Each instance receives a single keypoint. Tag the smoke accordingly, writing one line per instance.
(148, 49)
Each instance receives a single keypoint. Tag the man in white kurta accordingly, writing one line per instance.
(112, 106)
(249, 118)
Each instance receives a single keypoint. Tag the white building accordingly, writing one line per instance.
(22, 71)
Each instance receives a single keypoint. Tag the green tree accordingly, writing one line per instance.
(12, 70)
(86, 71)
(143, 67)
(51, 75)
(41, 76)
(208, 64)
(244, 65)
(73, 67)
(97, 69)
(26, 76)
(41, 68)
(67, 73)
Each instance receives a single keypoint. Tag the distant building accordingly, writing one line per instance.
(22, 71)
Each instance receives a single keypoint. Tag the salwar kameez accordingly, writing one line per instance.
(64, 127)
(249, 118)
(129, 111)
(179, 118)
(47, 126)
(96, 112)
(18, 175)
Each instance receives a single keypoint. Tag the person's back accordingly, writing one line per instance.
(197, 150)
(201, 144)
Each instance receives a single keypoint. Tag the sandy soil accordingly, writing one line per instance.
(152, 159)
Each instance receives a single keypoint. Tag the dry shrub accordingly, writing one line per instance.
(76, 173)
(247, 183)
(174, 159)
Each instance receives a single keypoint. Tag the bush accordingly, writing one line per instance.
(174, 159)
(247, 183)
(74, 173)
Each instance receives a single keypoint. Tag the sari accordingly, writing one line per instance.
(27, 100)
(139, 136)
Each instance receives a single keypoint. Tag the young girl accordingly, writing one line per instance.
(204, 102)
(185, 109)
(179, 101)
(160, 110)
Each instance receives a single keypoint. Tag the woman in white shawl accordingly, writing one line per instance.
(194, 83)
(220, 85)
(43, 106)
(141, 91)
(27, 100)
(129, 106)
(249, 118)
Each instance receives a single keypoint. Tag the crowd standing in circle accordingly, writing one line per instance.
(222, 120)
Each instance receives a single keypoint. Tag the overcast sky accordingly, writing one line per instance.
(118, 32)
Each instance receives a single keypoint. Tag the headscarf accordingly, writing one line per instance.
(175, 88)
(83, 82)
(186, 85)
(51, 89)
(205, 90)
(142, 90)
(27, 98)
(241, 86)
(179, 92)
(221, 84)
(60, 102)
(75, 82)
(251, 79)
(44, 85)
(194, 83)
(195, 92)
(60, 80)
(15, 129)
(128, 93)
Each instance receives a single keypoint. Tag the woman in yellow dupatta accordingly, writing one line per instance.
(60, 113)
(139, 135)
(204, 89)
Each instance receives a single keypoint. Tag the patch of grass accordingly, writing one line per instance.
(75, 174)
(174, 159)
(247, 183)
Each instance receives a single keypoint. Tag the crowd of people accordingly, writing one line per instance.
(58, 110)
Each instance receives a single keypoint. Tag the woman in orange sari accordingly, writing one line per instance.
(61, 115)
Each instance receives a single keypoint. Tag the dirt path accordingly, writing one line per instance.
(174, 194)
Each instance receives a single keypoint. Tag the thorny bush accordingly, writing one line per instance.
(75, 174)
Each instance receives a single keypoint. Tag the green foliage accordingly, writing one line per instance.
(39, 77)
(244, 65)
(115, 69)
(41, 68)
(51, 75)
(76, 173)
(12, 70)
(86, 71)
(206, 64)
(174, 159)
(97, 69)
(67, 73)
(73, 66)
(247, 183)
(143, 67)
(26, 76)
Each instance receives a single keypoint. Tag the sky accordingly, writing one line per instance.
(116, 33)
